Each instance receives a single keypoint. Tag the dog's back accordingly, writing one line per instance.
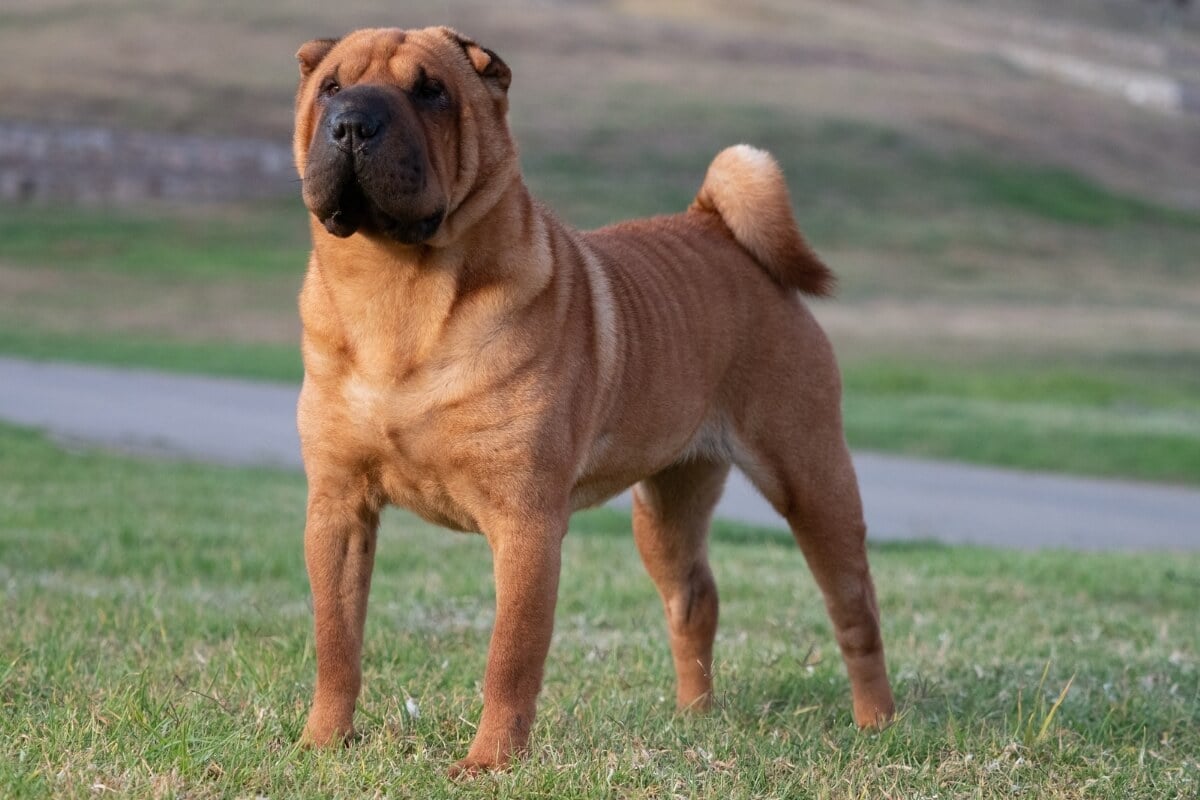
(707, 299)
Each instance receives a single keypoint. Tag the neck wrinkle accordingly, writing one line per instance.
(398, 299)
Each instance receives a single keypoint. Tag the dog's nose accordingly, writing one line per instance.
(352, 127)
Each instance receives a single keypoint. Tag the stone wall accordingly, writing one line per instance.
(41, 164)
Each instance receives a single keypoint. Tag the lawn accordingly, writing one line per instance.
(155, 641)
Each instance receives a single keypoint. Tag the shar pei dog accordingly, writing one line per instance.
(470, 357)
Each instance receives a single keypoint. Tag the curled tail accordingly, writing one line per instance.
(745, 188)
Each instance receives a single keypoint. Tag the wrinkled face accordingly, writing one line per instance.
(395, 129)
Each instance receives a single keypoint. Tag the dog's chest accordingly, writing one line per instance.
(405, 431)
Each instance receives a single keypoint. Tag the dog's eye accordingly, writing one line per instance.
(330, 87)
(430, 90)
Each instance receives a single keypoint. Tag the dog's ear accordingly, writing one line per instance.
(313, 53)
(490, 66)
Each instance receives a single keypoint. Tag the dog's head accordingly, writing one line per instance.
(396, 129)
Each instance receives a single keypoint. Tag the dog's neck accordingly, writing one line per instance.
(396, 302)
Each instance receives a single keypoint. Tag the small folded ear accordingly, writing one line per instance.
(489, 65)
(313, 53)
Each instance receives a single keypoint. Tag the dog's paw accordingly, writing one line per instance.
(698, 705)
(321, 733)
(468, 767)
(875, 716)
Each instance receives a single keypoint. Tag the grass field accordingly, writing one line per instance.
(155, 640)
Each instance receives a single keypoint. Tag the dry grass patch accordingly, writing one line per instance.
(936, 70)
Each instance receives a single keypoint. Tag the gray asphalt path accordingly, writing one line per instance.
(242, 422)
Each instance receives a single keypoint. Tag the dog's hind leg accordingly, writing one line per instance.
(671, 514)
(810, 480)
(788, 439)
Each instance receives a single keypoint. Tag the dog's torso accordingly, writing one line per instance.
(603, 357)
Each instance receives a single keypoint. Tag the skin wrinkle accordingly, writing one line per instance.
(506, 370)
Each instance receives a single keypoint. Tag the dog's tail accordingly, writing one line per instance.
(745, 188)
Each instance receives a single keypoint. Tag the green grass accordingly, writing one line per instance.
(1062, 196)
(185, 241)
(843, 173)
(1102, 420)
(231, 359)
(154, 641)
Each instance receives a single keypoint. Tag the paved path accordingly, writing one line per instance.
(241, 422)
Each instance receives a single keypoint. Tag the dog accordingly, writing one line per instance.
(473, 359)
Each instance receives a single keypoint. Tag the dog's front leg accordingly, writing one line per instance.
(339, 549)
(526, 558)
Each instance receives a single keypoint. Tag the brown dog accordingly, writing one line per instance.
(471, 358)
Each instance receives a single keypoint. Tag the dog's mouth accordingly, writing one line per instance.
(354, 212)
(346, 217)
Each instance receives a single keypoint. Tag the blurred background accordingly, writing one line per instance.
(1009, 192)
